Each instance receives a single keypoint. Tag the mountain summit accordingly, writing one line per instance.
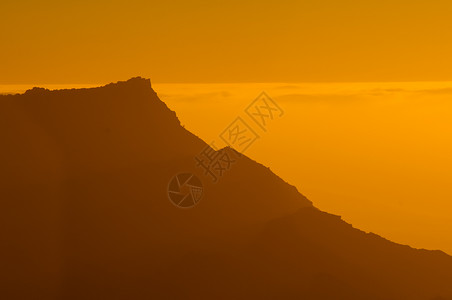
(85, 215)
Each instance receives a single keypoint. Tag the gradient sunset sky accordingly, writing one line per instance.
(50, 42)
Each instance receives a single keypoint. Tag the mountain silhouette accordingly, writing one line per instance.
(85, 214)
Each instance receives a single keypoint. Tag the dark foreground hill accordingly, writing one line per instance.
(85, 215)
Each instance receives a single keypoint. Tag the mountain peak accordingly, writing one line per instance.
(36, 90)
(134, 82)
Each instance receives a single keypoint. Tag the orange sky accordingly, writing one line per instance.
(225, 41)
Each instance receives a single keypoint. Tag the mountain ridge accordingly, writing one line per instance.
(85, 214)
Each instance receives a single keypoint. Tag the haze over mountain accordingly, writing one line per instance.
(85, 215)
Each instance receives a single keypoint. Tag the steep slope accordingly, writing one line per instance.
(339, 259)
(85, 215)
